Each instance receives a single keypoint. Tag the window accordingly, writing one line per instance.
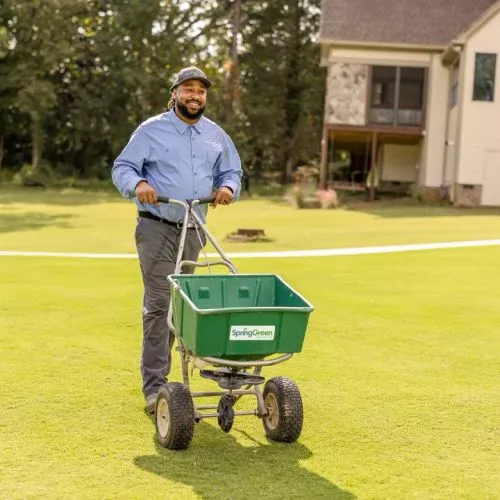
(454, 95)
(383, 87)
(454, 85)
(484, 77)
(397, 95)
(383, 95)
(411, 96)
(411, 88)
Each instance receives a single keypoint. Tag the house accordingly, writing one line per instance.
(413, 92)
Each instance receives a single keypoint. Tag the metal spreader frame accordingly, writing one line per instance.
(269, 405)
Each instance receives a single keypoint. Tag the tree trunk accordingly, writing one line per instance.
(294, 91)
(36, 140)
(1, 150)
(232, 78)
(257, 163)
(288, 170)
(81, 160)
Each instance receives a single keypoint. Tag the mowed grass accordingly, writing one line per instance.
(69, 221)
(399, 372)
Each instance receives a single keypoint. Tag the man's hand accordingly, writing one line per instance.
(145, 193)
(223, 196)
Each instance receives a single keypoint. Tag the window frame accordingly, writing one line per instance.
(476, 97)
(397, 89)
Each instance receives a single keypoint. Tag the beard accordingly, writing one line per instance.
(184, 111)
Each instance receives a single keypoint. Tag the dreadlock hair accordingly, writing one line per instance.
(171, 104)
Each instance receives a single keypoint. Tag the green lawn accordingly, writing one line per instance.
(102, 222)
(399, 372)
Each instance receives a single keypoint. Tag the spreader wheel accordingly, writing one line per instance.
(283, 421)
(226, 412)
(174, 416)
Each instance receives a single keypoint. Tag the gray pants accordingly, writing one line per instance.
(157, 246)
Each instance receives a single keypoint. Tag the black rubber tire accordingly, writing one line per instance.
(225, 410)
(288, 424)
(174, 416)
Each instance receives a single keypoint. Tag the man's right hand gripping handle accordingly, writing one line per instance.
(145, 193)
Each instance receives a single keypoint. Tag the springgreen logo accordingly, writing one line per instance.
(251, 332)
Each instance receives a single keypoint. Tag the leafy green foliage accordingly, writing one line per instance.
(77, 77)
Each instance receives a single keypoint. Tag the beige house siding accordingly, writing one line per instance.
(433, 154)
(491, 179)
(346, 94)
(380, 57)
(399, 162)
(479, 135)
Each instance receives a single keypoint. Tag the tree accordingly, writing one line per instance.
(282, 84)
(85, 73)
(36, 41)
(232, 66)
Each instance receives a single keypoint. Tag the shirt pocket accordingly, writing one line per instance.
(165, 157)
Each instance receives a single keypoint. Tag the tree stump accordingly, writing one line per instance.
(250, 232)
(246, 234)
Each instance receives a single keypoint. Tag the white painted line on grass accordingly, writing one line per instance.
(77, 255)
(327, 252)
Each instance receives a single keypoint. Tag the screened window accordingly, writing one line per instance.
(397, 95)
(383, 87)
(411, 88)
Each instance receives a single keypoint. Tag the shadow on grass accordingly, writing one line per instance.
(32, 220)
(217, 466)
(410, 210)
(63, 197)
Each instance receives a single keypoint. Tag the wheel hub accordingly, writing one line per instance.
(163, 418)
(225, 412)
(273, 413)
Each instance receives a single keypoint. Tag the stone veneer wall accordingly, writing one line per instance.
(468, 196)
(346, 94)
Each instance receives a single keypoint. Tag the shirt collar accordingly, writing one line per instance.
(181, 126)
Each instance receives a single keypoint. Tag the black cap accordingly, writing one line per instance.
(190, 73)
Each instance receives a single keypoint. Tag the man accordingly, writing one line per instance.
(183, 155)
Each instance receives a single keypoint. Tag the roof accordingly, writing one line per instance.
(399, 22)
(479, 22)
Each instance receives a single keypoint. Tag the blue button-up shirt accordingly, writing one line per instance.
(179, 161)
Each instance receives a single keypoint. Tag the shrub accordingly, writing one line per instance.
(41, 176)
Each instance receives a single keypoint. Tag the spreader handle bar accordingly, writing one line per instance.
(201, 201)
(209, 264)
